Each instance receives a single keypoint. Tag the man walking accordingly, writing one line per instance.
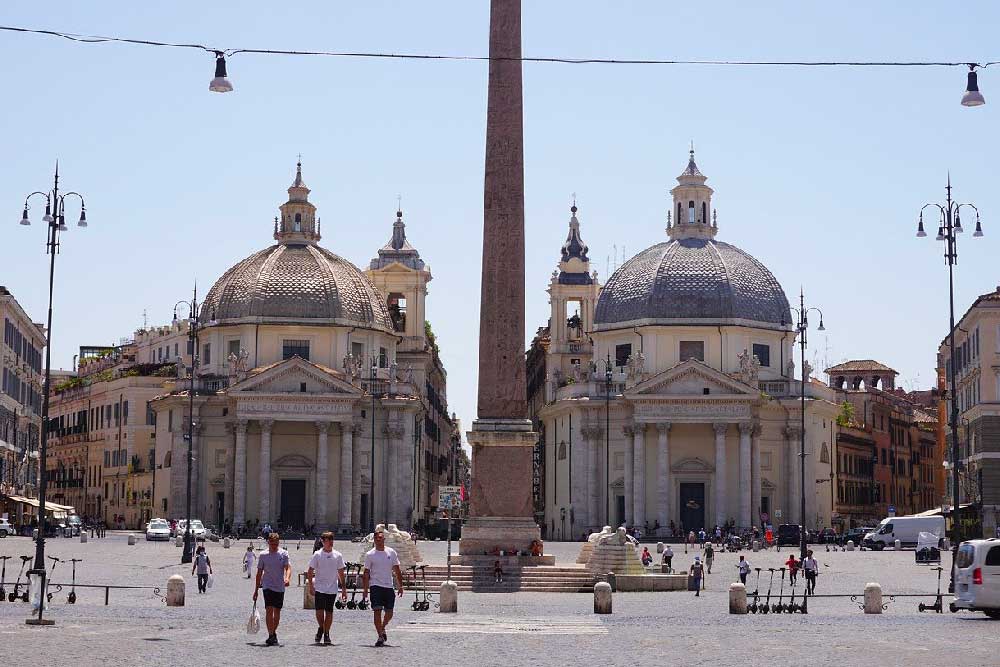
(744, 568)
(326, 571)
(811, 568)
(696, 572)
(203, 565)
(274, 573)
(381, 565)
(668, 558)
(709, 556)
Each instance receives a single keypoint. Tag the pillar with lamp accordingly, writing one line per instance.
(187, 553)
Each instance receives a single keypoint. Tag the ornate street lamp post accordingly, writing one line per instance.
(802, 328)
(949, 227)
(371, 464)
(55, 219)
(608, 376)
(188, 552)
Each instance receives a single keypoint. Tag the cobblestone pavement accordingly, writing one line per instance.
(490, 629)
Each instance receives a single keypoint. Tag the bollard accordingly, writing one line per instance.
(83, 537)
(756, 546)
(449, 597)
(873, 598)
(659, 547)
(737, 598)
(131, 540)
(175, 591)
(179, 541)
(850, 545)
(897, 545)
(308, 598)
(602, 598)
(225, 543)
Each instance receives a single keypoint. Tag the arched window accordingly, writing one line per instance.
(824, 454)
(679, 212)
(397, 311)
(690, 211)
(704, 213)
(298, 222)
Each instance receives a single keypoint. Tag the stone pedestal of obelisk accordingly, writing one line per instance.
(501, 513)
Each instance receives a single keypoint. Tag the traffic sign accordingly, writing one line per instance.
(449, 498)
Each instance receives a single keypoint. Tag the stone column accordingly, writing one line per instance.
(357, 488)
(720, 472)
(639, 476)
(322, 470)
(228, 482)
(755, 475)
(346, 472)
(745, 430)
(389, 495)
(406, 473)
(578, 481)
(593, 435)
(663, 474)
(240, 474)
(629, 433)
(264, 490)
(792, 466)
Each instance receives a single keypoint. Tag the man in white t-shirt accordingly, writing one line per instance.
(326, 570)
(381, 565)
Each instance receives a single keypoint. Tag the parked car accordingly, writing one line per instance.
(827, 536)
(905, 529)
(788, 534)
(157, 529)
(197, 528)
(74, 524)
(5, 528)
(856, 535)
(977, 577)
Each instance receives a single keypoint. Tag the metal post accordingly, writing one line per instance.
(956, 530)
(187, 555)
(371, 464)
(803, 328)
(607, 439)
(447, 516)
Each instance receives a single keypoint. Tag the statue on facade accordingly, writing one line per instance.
(635, 367)
(790, 368)
(807, 370)
(749, 368)
(179, 368)
(238, 364)
(577, 373)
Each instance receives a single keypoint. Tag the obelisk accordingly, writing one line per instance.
(501, 513)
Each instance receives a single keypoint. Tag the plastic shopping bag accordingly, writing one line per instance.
(211, 579)
(253, 624)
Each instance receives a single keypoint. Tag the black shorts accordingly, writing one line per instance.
(382, 598)
(324, 601)
(275, 599)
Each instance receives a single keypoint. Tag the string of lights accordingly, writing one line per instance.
(220, 82)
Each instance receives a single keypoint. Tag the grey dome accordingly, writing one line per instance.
(704, 280)
(296, 283)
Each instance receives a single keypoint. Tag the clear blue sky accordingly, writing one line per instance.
(818, 172)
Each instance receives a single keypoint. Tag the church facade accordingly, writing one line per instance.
(319, 392)
(666, 398)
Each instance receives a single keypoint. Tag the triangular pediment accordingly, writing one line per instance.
(289, 376)
(691, 378)
(692, 464)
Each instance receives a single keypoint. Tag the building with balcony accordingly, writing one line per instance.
(20, 399)
(976, 367)
(320, 399)
(700, 422)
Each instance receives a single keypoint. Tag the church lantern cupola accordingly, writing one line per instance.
(693, 216)
(298, 223)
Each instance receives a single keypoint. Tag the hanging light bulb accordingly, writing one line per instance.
(24, 217)
(979, 228)
(62, 222)
(48, 214)
(972, 96)
(83, 218)
(940, 236)
(220, 84)
(958, 223)
(920, 227)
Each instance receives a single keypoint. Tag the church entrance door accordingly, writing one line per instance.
(293, 503)
(693, 506)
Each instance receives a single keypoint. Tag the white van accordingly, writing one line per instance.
(905, 529)
(977, 577)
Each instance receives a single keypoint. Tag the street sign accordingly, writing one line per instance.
(892, 510)
(777, 514)
(449, 498)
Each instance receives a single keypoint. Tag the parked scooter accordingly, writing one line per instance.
(71, 598)
(3, 575)
(752, 607)
(352, 603)
(791, 607)
(421, 598)
(766, 607)
(938, 605)
(778, 607)
(48, 593)
(17, 584)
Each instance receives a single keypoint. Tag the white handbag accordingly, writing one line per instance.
(253, 624)
(211, 579)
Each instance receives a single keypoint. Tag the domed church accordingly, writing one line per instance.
(315, 378)
(666, 398)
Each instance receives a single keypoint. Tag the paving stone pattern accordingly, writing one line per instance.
(490, 628)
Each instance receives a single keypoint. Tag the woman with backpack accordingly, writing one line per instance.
(203, 565)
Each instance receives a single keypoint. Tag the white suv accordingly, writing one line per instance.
(977, 577)
(5, 528)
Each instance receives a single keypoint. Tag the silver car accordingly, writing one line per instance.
(157, 529)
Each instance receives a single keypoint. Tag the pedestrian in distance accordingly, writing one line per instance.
(203, 565)
(744, 569)
(381, 566)
(326, 578)
(248, 558)
(709, 556)
(497, 572)
(668, 558)
(697, 571)
(646, 557)
(793, 568)
(811, 569)
(701, 538)
(274, 573)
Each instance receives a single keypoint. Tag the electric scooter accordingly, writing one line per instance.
(352, 604)
(71, 598)
(791, 607)
(415, 606)
(17, 584)
(766, 607)
(425, 604)
(752, 607)
(778, 607)
(363, 602)
(938, 605)
(48, 593)
(3, 575)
